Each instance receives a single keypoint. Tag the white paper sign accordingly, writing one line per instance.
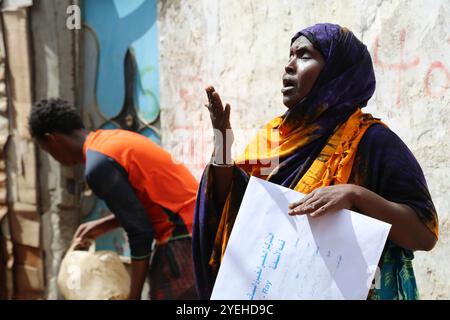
(271, 255)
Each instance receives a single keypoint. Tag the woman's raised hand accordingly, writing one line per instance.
(220, 119)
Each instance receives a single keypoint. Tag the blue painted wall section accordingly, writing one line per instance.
(120, 25)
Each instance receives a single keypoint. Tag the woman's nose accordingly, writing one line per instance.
(289, 67)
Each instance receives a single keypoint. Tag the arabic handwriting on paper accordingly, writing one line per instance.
(270, 258)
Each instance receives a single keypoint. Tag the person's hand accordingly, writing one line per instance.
(87, 232)
(220, 119)
(324, 200)
(220, 116)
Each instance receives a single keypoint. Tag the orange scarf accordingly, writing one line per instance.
(333, 165)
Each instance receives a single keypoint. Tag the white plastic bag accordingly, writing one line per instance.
(90, 275)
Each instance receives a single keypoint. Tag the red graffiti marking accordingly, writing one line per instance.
(187, 95)
(436, 65)
(194, 146)
(401, 66)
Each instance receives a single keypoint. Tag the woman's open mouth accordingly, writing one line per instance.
(287, 89)
(288, 85)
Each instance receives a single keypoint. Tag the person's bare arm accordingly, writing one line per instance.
(94, 229)
(223, 139)
(139, 270)
(407, 230)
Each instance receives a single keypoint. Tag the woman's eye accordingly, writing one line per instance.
(301, 55)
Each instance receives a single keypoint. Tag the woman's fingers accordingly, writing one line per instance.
(297, 203)
(226, 116)
(220, 116)
(214, 101)
(303, 200)
(217, 102)
(209, 92)
(323, 201)
(212, 97)
(308, 207)
(324, 209)
(210, 89)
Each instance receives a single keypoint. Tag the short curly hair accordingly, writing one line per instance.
(53, 115)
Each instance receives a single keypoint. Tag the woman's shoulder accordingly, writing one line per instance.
(380, 136)
(381, 142)
(380, 133)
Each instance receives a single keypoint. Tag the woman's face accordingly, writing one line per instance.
(301, 72)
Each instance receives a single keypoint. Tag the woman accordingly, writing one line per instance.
(327, 148)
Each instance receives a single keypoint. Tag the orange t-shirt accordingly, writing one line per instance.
(157, 178)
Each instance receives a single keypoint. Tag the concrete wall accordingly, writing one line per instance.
(241, 48)
(22, 186)
(5, 234)
(55, 75)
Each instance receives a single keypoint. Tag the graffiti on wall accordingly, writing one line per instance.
(435, 70)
